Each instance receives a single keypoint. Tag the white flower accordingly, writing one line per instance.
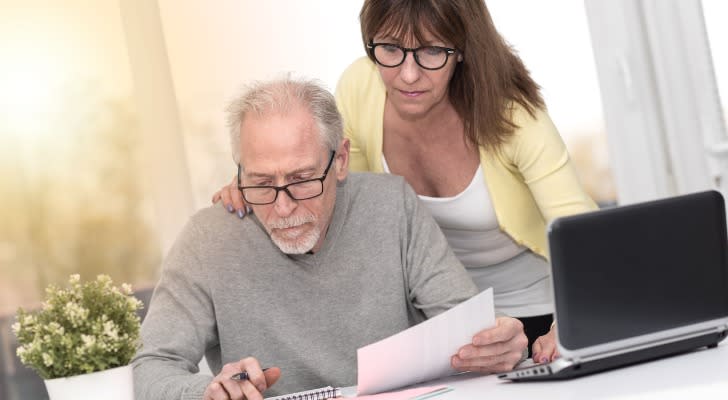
(88, 341)
(105, 280)
(126, 288)
(134, 303)
(75, 313)
(56, 328)
(16, 327)
(34, 346)
(110, 330)
(75, 278)
(47, 359)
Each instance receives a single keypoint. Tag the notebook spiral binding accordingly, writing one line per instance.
(323, 393)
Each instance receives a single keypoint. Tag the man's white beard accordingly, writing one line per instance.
(296, 245)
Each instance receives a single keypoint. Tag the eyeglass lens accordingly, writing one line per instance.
(429, 57)
(298, 191)
(302, 190)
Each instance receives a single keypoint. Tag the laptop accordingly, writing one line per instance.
(636, 283)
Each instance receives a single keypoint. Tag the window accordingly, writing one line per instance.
(714, 12)
(560, 58)
(659, 92)
(70, 162)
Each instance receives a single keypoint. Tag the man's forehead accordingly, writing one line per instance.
(283, 158)
(282, 165)
(274, 128)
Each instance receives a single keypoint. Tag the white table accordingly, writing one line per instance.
(702, 374)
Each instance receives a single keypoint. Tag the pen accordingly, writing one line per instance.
(243, 375)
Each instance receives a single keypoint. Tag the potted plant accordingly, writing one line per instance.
(82, 339)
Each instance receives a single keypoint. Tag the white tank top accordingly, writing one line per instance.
(519, 278)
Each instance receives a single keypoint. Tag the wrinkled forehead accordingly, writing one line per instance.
(292, 134)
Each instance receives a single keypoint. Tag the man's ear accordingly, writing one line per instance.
(342, 160)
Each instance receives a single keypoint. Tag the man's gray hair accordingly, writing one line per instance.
(281, 96)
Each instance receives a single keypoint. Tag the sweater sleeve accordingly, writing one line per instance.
(437, 280)
(540, 156)
(178, 328)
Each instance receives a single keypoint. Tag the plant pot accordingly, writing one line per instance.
(111, 384)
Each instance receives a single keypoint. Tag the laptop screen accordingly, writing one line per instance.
(639, 269)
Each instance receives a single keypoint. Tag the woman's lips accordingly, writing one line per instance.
(406, 93)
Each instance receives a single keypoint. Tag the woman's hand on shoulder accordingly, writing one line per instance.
(232, 199)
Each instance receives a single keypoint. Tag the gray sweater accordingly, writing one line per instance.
(227, 292)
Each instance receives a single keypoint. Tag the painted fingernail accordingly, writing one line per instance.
(230, 208)
(544, 359)
(241, 213)
(249, 209)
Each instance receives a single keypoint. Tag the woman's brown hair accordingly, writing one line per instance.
(491, 77)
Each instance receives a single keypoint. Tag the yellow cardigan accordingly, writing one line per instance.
(531, 181)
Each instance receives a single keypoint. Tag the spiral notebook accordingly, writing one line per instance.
(328, 392)
(323, 393)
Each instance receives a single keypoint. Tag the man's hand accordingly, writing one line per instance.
(544, 348)
(223, 387)
(497, 349)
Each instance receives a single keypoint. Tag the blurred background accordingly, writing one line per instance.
(111, 111)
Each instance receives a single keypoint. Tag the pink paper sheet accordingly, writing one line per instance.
(402, 394)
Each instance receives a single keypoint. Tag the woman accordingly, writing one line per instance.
(442, 100)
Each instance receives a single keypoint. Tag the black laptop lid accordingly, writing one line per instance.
(639, 269)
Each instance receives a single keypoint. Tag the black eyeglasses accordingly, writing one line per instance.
(428, 57)
(301, 190)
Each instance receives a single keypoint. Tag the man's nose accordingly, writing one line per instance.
(284, 204)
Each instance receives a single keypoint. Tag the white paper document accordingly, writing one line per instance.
(423, 352)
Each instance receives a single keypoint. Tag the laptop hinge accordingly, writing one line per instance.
(648, 344)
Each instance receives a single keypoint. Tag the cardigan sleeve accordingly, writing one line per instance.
(346, 100)
(539, 155)
(360, 96)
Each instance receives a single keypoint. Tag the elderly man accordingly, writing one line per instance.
(329, 262)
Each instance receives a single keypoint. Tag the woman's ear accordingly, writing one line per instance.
(460, 57)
